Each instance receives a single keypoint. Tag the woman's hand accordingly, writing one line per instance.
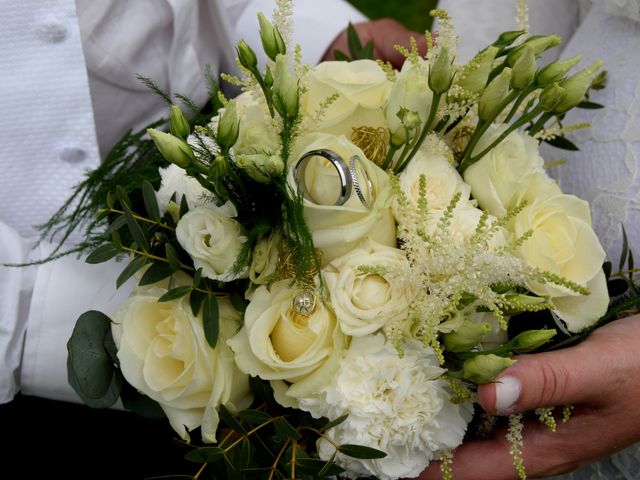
(600, 377)
(385, 33)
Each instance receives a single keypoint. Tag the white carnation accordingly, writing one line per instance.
(395, 404)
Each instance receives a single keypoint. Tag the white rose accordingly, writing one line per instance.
(164, 354)
(337, 229)
(175, 180)
(363, 88)
(411, 91)
(442, 182)
(276, 343)
(256, 134)
(498, 177)
(265, 258)
(213, 240)
(564, 243)
(365, 302)
(396, 404)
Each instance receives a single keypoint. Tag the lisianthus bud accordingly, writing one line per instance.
(441, 72)
(532, 339)
(220, 166)
(551, 96)
(475, 74)
(173, 149)
(493, 97)
(262, 168)
(577, 86)
(483, 369)
(466, 336)
(272, 41)
(539, 44)
(285, 90)
(246, 55)
(228, 126)
(524, 69)
(554, 72)
(507, 38)
(268, 77)
(179, 126)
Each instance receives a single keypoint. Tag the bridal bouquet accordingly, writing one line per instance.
(327, 267)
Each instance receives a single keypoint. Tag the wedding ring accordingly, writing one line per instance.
(356, 182)
(344, 175)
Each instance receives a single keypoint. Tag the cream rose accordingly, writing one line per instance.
(337, 229)
(213, 239)
(564, 243)
(256, 133)
(365, 302)
(410, 91)
(276, 343)
(498, 177)
(442, 182)
(363, 89)
(265, 258)
(164, 354)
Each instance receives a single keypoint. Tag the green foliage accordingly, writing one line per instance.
(413, 14)
(356, 50)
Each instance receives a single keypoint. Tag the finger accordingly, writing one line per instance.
(569, 376)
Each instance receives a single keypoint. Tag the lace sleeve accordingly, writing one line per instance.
(624, 8)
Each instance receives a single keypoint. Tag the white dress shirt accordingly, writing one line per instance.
(51, 112)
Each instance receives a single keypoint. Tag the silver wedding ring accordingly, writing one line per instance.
(347, 176)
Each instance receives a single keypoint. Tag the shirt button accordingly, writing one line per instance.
(52, 32)
(73, 156)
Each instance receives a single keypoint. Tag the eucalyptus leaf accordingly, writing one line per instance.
(317, 467)
(195, 301)
(360, 451)
(197, 277)
(254, 417)
(589, 105)
(625, 249)
(102, 254)
(137, 232)
(90, 369)
(607, 268)
(140, 403)
(334, 423)
(562, 143)
(150, 201)
(123, 197)
(211, 320)
(205, 455)
(230, 420)
(156, 272)
(117, 224)
(136, 264)
(285, 430)
(172, 256)
(175, 293)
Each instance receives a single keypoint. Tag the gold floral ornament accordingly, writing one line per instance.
(374, 142)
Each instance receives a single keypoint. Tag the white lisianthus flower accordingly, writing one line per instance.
(498, 177)
(365, 302)
(175, 180)
(411, 91)
(276, 343)
(213, 240)
(564, 243)
(362, 87)
(163, 353)
(395, 404)
(338, 229)
(442, 182)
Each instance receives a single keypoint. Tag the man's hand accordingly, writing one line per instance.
(385, 33)
(600, 377)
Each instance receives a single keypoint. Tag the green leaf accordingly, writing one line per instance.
(136, 231)
(367, 51)
(136, 264)
(317, 467)
(607, 268)
(341, 56)
(625, 249)
(197, 277)
(184, 206)
(205, 455)
(150, 201)
(90, 369)
(590, 105)
(211, 320)
(230, 420)
(285, 430)
(353, 41)
(175, 293)
(172, 256)
(360, 451)
(195, 300)
(117, 224)
(238, 302)
(563, 143)
(254, 417)
(139, 403)
(103, 253)
(123, 197)
(617, 286)
(156, 272)
(334, 423)
(330, 465)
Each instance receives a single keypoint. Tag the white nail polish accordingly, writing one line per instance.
(507, 393)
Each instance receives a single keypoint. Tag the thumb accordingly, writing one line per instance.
(570, 376)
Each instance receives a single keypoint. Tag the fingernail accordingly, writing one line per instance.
(507, 393)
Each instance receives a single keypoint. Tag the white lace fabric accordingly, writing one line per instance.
(625, 8)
